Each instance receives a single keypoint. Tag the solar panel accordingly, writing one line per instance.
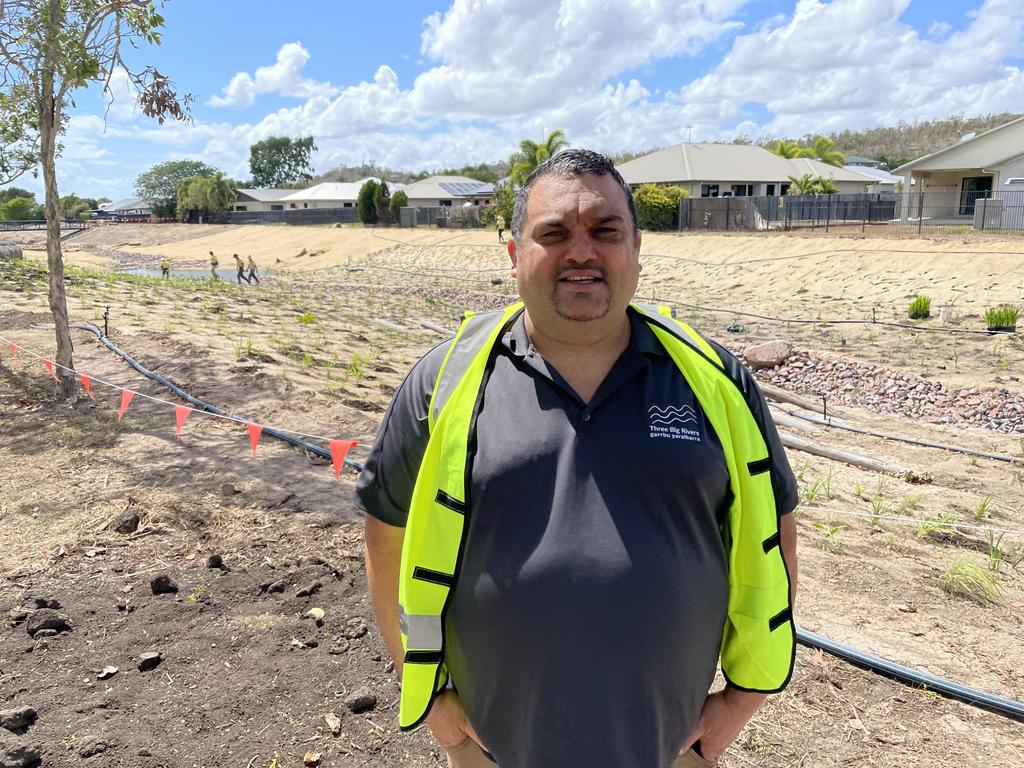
(466, 189)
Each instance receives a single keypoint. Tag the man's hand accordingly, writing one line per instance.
(721, 719)
(447, 721)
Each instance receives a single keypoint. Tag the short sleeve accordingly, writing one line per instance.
(783, 481)
(384, 488)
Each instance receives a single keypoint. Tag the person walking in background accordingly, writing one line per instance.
(499, 224)
(252, 270)
(240, 266)
(576, 509)
(165, 268)
(213, 267)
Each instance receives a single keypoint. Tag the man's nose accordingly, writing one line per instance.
(580, 249)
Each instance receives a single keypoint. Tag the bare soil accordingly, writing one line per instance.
(246, 676)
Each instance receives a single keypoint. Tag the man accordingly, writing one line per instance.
(499, 224)
(252, 270)
(165, 268)
(592, 506)
(240, 270)
(214, 263)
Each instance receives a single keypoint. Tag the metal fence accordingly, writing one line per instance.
(440, 216)
(884, 213)
(20, 226)
(297, 216)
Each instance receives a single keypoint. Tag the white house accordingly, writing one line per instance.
(260, 199)
(331, 195)
(739, 170)
(977, 167)
(437, 191)
(883, 181)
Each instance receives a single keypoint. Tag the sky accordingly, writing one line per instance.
(423, 84)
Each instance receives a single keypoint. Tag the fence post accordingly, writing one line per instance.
(984, 210)
(867, 215)
(728, 200)
(828, 210)
(920, 211)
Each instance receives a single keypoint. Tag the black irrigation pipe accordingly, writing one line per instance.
(901, 439)
(1001, 706)
(997, 704)
(294, 441)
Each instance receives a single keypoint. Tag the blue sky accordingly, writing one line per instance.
(419, 85)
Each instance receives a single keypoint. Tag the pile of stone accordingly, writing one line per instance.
(10, 251)
(886, 391)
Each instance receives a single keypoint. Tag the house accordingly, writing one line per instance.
(883, 181)
(260, 199)
(737, 170)
(859, 160)
(129, 209)
(448, 191)
(331, 195)
(977, 167)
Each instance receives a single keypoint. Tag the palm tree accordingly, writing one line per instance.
(825, 186)
(787, 149)
(825, 151)
(802, 185)
(531, 154)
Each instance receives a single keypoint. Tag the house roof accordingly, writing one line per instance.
(335, 190)
(860, 160)
(265, 195)
(877, 174)
(981, 137)
(700, 162)
(128, 204)
(439, 187)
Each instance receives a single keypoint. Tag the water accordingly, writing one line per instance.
(194, 274)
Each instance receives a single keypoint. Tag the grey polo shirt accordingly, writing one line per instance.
(587, 619)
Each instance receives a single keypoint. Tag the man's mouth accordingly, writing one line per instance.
(581, 279)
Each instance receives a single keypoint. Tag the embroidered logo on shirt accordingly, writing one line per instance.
(674, 422)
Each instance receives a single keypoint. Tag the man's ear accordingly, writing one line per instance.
(510, 246)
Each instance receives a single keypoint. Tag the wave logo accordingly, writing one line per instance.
(671, 414)
(675, 423)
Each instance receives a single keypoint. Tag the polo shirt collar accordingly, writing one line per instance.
(642, 338)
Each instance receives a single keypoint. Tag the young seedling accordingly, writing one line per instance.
(981, 512)
(967, 580)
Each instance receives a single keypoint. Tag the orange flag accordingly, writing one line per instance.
(14, 353)
(87, 384)
(255, 430)
(126, 398)
(181, 413)
(340, 449)
(49, 367)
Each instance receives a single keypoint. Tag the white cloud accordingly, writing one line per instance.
(283, 77)
(939, 28)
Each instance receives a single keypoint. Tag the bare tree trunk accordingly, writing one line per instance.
(50, 110)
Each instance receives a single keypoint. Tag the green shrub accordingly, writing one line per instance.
(1001, 318)
(657, 207)
(398, 201)
(920, 307)
(967, 580)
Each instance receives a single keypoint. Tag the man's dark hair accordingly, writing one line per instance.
(568, 162)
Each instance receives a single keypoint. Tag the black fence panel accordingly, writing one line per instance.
(298, 216)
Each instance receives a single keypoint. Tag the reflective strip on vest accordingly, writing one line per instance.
(759, 638)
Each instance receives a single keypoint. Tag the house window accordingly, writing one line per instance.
(742, 190)
(348, 205)
(305, 205)
(709, 190)
(447, 203)
(770, 190)
(292, 205)
(973, 188)
(784, 189)
(277, 207)
(241, 208)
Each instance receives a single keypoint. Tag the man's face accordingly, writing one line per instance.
(577, 257)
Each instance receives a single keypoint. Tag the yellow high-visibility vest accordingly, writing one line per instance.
(759, 638)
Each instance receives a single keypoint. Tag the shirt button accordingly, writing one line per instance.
(587, 417)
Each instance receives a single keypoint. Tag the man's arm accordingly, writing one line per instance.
(726, 712)
(383, 562)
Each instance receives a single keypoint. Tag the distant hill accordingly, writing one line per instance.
(489, 172)
(904, 142)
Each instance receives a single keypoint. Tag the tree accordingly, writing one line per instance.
(787, 149)
(398, 201)
(825, 151)
(49, 49)
(811, 185)
(382, 203)
(12, 192)
(159, 185)
(657, 207)
(531, 154)
(366, 203)
(280, 160)
(205, 195)
(19, 209)
(72, 206)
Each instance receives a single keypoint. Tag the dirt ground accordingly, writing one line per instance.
(247, 676)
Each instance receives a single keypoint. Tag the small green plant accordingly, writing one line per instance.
(967, 580)
(908, 503)
(307, 360)
(981, 512)
(832, 541)
(811, 492)
(879, 508)
(996, 556)
(306, 318)
(826, 485)
(920, 307)
(1014, 556)
(858, 489)
(942, 525)
(355, 367)
(880, 487)
(1002, 318)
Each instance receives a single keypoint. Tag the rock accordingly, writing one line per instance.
(47, 602)
(10, 251)
(355, 627)
(47, 618)
(41, 633)
(333, 722)
(126, 522)
(339, 647)
(735, 328)
(310, 589)
(277, 586)
(91, 746)
(228, 489)
(361, 700)
(149, 660)
(215, 561)
(312, 759)
(17, 615)
(163, 585)
(316, 614)
(771, 354)
(15, 752)
(106, 673)
(17, 719)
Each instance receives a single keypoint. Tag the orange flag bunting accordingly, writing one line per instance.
(181, 413)
(49, 367)
(87, 384)
(339, 450)
(14, 353)
(126, 398)
(255, 430)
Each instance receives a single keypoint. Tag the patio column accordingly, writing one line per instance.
(905, 197)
